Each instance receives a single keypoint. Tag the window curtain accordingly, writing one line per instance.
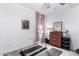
(39, 27)
(37, 24)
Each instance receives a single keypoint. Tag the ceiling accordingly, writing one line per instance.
(41, 7)
(49, 8)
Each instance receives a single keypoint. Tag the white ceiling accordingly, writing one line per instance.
(40, 7)
(33, 6)
(48, 8)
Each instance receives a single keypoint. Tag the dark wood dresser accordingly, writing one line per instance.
(55, 39)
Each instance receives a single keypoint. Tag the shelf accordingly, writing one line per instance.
(65, 45)
(66, 42)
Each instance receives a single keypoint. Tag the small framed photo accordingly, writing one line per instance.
(25, 24)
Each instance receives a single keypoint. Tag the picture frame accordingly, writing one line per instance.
(57, 26)
(25, 24)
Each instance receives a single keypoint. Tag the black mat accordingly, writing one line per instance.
(25, 52)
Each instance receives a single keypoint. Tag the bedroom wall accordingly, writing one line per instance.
(49, 20)
(0, 28)
(70, 18)
(13, 37)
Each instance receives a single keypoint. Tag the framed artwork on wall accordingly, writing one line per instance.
(57, 26)
(25, 24)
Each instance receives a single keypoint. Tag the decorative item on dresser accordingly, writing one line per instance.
(55, 38)
(57, 26)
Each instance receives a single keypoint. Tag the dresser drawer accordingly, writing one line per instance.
(53, 43)
(55, 39)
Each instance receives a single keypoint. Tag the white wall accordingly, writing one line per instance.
(0, 29)
(71, 21)
(70, 18)
(13, 37)
(1, 17)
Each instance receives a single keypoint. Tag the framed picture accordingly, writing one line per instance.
(57, 26)
(25, 24)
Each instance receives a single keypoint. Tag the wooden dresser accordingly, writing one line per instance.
(55, 39)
